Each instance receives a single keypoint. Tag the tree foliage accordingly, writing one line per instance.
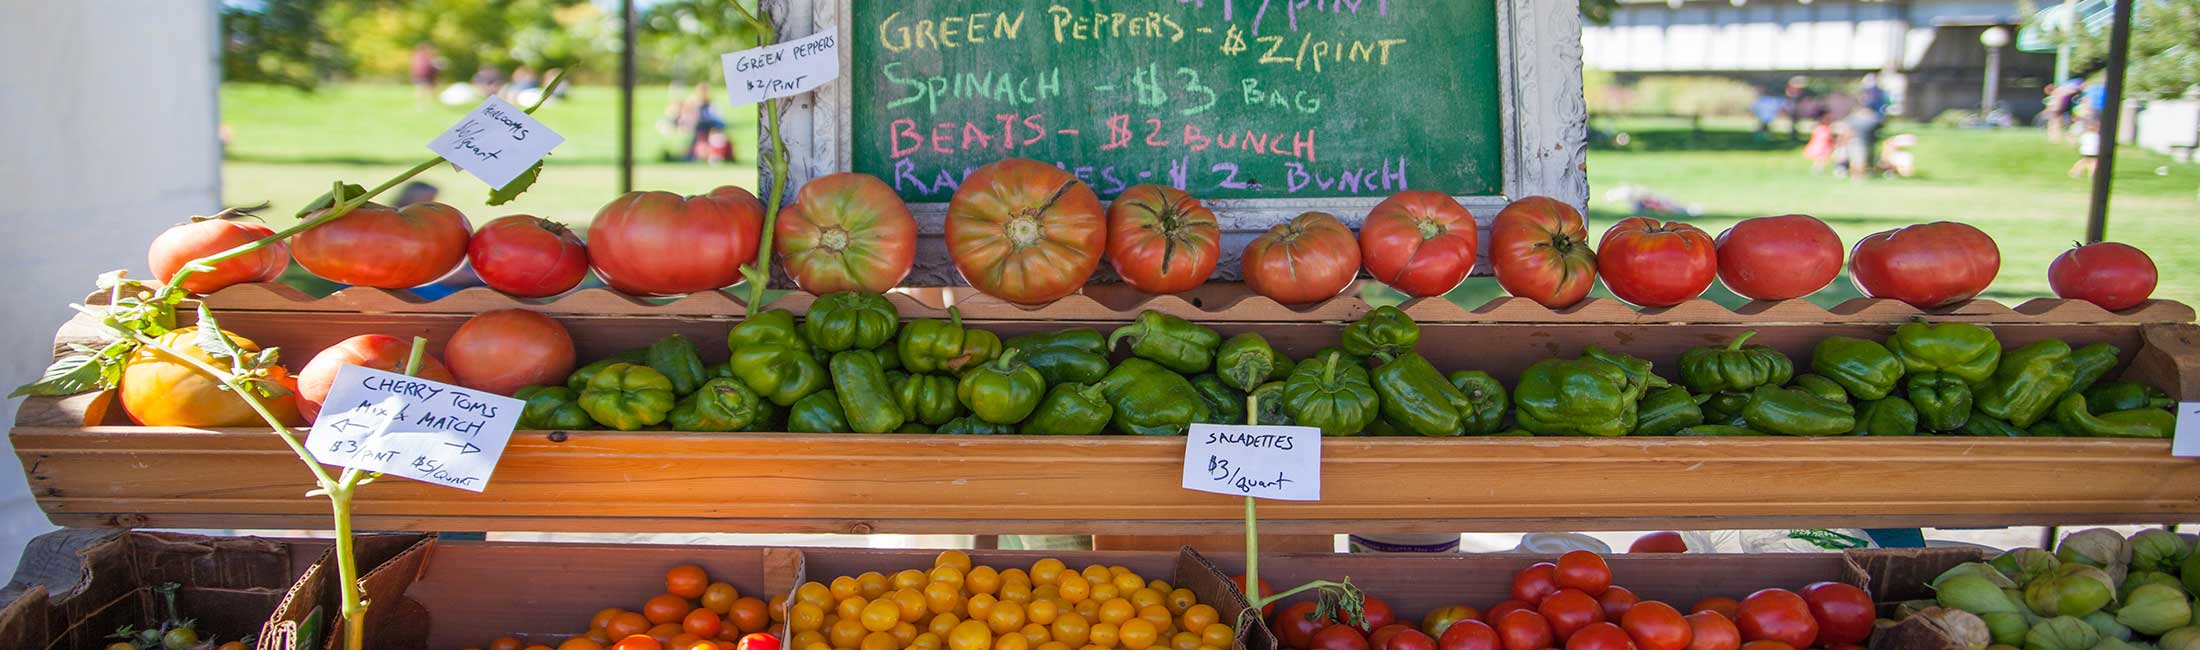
(2165, 49)
(279, 43)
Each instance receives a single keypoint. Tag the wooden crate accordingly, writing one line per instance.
(87, 467)
(76, 586)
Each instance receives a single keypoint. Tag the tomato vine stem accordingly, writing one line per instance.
(759, 273)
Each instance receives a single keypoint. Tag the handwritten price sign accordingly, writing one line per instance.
(2187, 443)
(1283, 463)
(422, 430)
(496, 142)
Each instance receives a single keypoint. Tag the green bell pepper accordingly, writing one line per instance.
(850, 320)
(627, 397)
(818, 412)
(889, 359)
(1246, 361)
(1333, 395)
(769, 327)
(781, 373)
(2090, 363)
(1822, 387)
(1175, 343)
(1790, 412)
(866, 398)
(914, 426)
(2047, 428)
(932, 345)
(1666, 411)
(2125, 396)
(2077, 420)
(769, 416)
(1981, 424)
(1864, 368)
(675, 358)
(1483, 412)
(1943, 400)
(1071, 356)
(1718, 430)
(1150, 400)
(1967, 351)
(719, 405)
(1417, 398)
(1070, 410)
(1004, 391)
(930, 399)
(1559, 397)
(578, 381)
(1725, 408)
(551, 407)
(971, 425)
(1385, 331)
(1225, 405)
(1640, 380)
(1734, 367)
(2027, 383)
(1886, 417)
(1269, 405)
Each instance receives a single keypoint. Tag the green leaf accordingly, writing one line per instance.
(518, 185)
(112, 279)
(213, 341)
(69, 375)
(328, 199)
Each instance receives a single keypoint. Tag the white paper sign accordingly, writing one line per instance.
(1267, 462)
(2187, 444)
(782, 70)
(405, 426)
(496, 142)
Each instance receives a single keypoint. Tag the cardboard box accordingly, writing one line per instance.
(76, 586)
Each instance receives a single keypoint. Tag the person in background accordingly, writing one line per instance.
(525, 87)
(489, 81)
(2057, 113)
(423, 75)
(1820, 149)
(2089, 149)
(1767, 108)
(416, 192)
(1800, 105)
(1864, 122)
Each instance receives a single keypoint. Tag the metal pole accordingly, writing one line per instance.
(2112, 113)
(626, 96)
(1992, 92)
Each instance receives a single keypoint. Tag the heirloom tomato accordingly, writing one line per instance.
(1025, 231)
(662, 244)
(209, 236)
(379, 246)
(1927, 265)
(1656, 264)
(1161, 240)
(1778, 258)
(1540, 249)
(846, 232)
(2112, 275)
(527, 256)
(505, 350)
(161, 390)
(1419, 242)
(377, 351)
(1309, 259)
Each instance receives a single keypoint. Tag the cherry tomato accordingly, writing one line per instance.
(177, 246)
(1777, 615)
(1524, 629)
(1497, 612)
(1443, 617)
(1664, 541)
(665, 608)
(1380, 638)
(687, 581)
(1767, 644)
(719, 596)
(1844, 612)
(1295, 625)
(1778, 258)
(1569, 610)
(1412, 639)
(1600, 636)
(1710, 630)
(1265, 590)
(1535, 583)
(1616, 601)
(1583, 570)
(528, 256)
(1377, 613)
(757, 641)
(1338, 637)
(626, 624)
(1470, 635)
(702, 623)
(637, 642)
(505, 350)
(580, 643)
(1656, 626)
(1722, 605)
(2112, 275)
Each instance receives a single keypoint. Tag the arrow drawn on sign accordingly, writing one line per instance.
(463, 449)
(345, 425)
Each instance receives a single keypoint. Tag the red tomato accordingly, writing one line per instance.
(1656, 626)
(1712, 631)
(1295, 625)
(1412, 639)
(380, 352)
(1844, 646)
(1442, 618)
(2112, 275)
(529, 257)
(1927, 265)
(1664, 541)
(1377, 613)
(846, 232)
(1600, 636)
(1310, 259)
(1471, 635)
(1653, 264)
(1569, 610)
(1767, 644)
(505, 350)
(1523, 629)
(638, 642)
(205, 237)
(1616, 600)
(1162, 240)
(1844, 612)
(1778, 258)
(1419, 242)
(1025, 231)
(1721, 605)
(1497, 612)
(1540, 250)
(757, 641)
(1265, 591)
(1380, 638)
(659, 243)
(378, 246)
(1338, 637)
(1531, 585)
(1777, 615)
(1583, 570)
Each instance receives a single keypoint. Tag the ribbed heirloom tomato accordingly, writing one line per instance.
(1162, 240)
(528, 256)
(379, 246)
(209, 236)
(1927, 265)
(161, 390)
(1025, 231)
(1309, 259)
(1419, 242)
(1540, 250)
(659, 243)
(1656, 264)
(377, 351)
(505, 350)
(846, 232)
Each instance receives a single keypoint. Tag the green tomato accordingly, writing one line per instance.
(181, 638)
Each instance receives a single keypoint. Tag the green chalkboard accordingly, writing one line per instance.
(1236, 99)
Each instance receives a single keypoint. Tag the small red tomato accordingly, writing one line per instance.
(1583, 570)
(1412, 639)
(1616, 601)
(1777, 258)
(1441, 618)
(1843, 646)
(1767, 644)
(1524, 630)
(527, 256)
(1265, 591)
(1295, 625)
(1777, 615)
(758, 641)
(1843, 611)
(1653, 264)
(1711, 631)
(638, 642)
(1569, 610)
(1377, 613)
(1600, 636)
(1656, 626)
(1338, 637)
(1380, 638)
(1535, 583)
(1721, 605)
(1497, 612)
(1470, 635)
(2112, 275)
(1664, 541)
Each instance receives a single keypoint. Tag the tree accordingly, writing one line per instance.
(681, 39)
(2165, 49)
(278, 42)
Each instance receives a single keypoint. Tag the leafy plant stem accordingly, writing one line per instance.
(759, 274)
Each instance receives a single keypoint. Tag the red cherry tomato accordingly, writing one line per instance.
(1712, 631)
(1419, 242)
(1338, 637)
(2112, 275)
(757, 641)
(1470, 635)
(1377, 613)
(1523, 629)
(1412, 639)
(505, 350)
(379, 246)
(1497, 612)
(1721, 605)
(377, 351)
(529, 257)
(177, 246)
(1295, 625)
(1843, 611)
(1265, 591)
(1927, 265)
(1767, 644)
(1653, 264)
(1600, 636)
(1656, 626)
(1531, 585)
(1778, 258)
(638, 642)
(1569, 610)
(1583, 570)
(1777, 615)
(1664, 541)
(1540, 250)
(1380, 638)
(1616, 601)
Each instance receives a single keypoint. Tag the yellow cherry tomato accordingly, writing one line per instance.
(1106, 635)
(813, 593)
(846, 633)
(1005, 618)
(1117, 611)
(804, 638)
(1035, 633)
(1128, 582)
(941, 598)
(1073, 587)
(1047, 592)
(970, 635)
(806, 617)
(873, 584)
(878, 641)
(1071, 629)
(881, 615)
(928, 641)
(1042, 611)
(1184, 641)
(844, 588)
(1011, 642)
(1015, 592)
(1158, 616)
(1097, 574)
(1181, 600)
(1090, 609)
(980, 606)
(1159, 585)
(851, 607)
(904, 634)
(1198, 617)
(912, 603)
(1046, 571)
(909, 579)
(1145, 597)
(1219, 635)
(942, 625)
(982, 580)
(1138, 634)
(1105, 591)
(1013, 574)
(1053, 645)
(950, 575)
(953, 558)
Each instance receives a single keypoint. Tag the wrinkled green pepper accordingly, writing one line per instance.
(2125, 396)
(850, 320)
(888, 358)
(719, 405)
(1246, 361)
(1734, 367)
(2090, 363)
(769, 417)
(818, 412)
(1666, 411)
(930, 399)
(1417, 398)
(1864, 368)
(866, 398)
(1333, 395)
(1886, 417)
(1559, 397)
(1790, 412)
(1966, 351)
(1150, 400)
(1268, 402)
(2077, 420)
(627, 397)
(1725, 408)
(769, 327)
(1981, 424)
(1483, 412)
(1943, 400)
(674, 357)
(1004, 391)
(971, 425)
(1640, 380)
(1070, 410)
(1177, 344)
(1822, 387)
(1225, 405)
(781, 373)
(932, 345)
(551, 407)
(1385, 331)
(1720, 430)
(578, 381)
(1071, 356)
(2027, 383)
